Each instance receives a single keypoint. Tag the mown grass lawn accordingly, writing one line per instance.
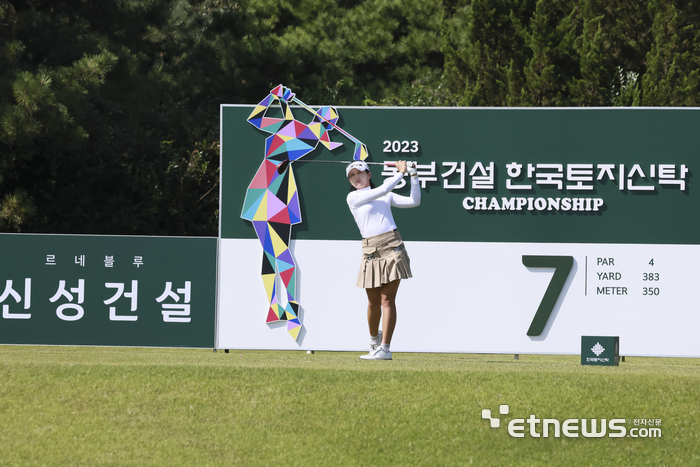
(142, 407)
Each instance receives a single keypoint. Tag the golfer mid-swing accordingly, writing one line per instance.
(384, 258)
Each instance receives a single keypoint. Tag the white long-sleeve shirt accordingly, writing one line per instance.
(371, 207)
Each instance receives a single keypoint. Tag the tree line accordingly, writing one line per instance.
(109, 110)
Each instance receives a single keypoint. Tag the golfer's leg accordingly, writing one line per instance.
(388, 300)
(374, 310)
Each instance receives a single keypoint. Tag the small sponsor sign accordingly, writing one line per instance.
(600, 350)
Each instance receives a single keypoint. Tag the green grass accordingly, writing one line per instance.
(116, 406)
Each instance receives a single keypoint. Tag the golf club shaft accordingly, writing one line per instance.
(389, 163)
(283, 166)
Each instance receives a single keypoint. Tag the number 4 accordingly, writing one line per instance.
(562, 267)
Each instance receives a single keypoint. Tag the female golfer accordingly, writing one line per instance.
(384, 258)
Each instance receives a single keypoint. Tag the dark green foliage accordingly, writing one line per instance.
(86, 100)
(327, 52)
(673, 62)
(572, 53)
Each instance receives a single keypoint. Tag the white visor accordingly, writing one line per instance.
(360, 165)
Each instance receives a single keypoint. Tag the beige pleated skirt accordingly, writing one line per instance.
(384, 259)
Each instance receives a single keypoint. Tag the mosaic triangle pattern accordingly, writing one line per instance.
(272, 202)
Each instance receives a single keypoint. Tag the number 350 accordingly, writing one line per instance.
(400, 146)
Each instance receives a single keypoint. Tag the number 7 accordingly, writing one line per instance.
(562, 267)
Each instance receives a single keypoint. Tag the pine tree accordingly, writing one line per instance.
(572, 53)
(551, 36)
(592, 88)
(672, 77)
(483, 41)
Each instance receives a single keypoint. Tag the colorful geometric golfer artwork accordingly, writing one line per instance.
(272, 202)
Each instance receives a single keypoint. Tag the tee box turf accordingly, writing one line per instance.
(600, 350)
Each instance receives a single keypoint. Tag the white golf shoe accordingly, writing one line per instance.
(377, 354)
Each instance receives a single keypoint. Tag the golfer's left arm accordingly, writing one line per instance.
(414, 199)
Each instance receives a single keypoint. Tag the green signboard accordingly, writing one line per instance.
(105, 290)
(495, 175)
